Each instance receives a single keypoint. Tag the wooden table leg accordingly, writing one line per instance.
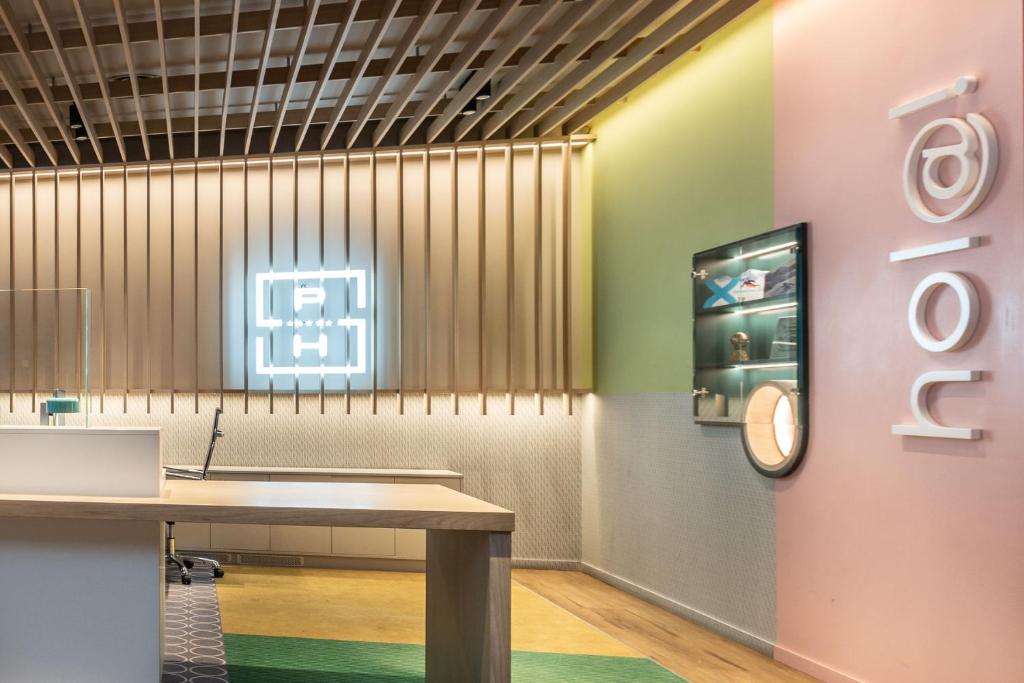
(469, 596)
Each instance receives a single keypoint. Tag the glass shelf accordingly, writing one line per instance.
(751, 365)
(722, 421)
(775, 303)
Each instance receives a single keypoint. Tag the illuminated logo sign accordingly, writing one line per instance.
(322, 333)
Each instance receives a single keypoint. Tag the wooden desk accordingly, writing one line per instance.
(468, 548)
(340, 547)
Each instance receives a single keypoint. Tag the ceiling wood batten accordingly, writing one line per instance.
(324, 74)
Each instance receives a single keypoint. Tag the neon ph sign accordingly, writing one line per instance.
(309, 333)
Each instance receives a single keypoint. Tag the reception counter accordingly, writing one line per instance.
(81, 597)
(89, 589)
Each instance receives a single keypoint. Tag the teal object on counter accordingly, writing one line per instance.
(55, 406)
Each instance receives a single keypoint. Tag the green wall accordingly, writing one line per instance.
(684, 164)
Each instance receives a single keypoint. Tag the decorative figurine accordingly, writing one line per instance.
(740, 345)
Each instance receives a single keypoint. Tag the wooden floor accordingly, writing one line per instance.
(688, 650)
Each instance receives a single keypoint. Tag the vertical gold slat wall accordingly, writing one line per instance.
(461, 301)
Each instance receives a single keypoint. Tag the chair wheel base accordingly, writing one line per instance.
(186, 581)
(218, 573)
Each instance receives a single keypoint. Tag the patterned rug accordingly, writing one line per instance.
(193, 639)
(261, 659)
(327, 626)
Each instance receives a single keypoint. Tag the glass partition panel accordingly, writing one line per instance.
(44, 355)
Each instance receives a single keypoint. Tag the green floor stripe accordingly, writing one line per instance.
(263, 659)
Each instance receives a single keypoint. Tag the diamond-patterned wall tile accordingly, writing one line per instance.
(675, 508)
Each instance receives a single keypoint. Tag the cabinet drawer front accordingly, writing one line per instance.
(352, 479)
(300, 477)
(332, 478)
(411, 544)
(311, 540)
(363, 542)
(192, 535)
(451, 482)
(238, 476)
(240, 536)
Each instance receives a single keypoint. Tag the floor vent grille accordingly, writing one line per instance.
(272, 560)
(223, 558)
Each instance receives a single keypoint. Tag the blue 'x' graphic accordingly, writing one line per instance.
(721, 292)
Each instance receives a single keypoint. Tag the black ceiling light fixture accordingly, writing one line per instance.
(76, 123)
(470, 108)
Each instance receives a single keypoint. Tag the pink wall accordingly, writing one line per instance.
(900, 559)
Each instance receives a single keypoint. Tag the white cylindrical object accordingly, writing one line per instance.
(771, 434)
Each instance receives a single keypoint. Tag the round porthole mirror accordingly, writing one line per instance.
(772, 434)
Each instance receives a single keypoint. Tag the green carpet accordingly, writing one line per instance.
(262, 659)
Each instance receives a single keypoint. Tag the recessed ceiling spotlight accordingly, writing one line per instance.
(485, 92)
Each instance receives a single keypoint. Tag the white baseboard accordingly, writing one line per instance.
(726, 629)
(812, 667)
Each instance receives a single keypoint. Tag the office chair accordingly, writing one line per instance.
(186, 562)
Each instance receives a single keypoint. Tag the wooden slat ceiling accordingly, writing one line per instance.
(160, 79)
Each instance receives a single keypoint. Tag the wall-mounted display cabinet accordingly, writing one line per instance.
(750, 338)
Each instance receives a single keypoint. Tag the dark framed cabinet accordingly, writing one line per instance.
(750, 344)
